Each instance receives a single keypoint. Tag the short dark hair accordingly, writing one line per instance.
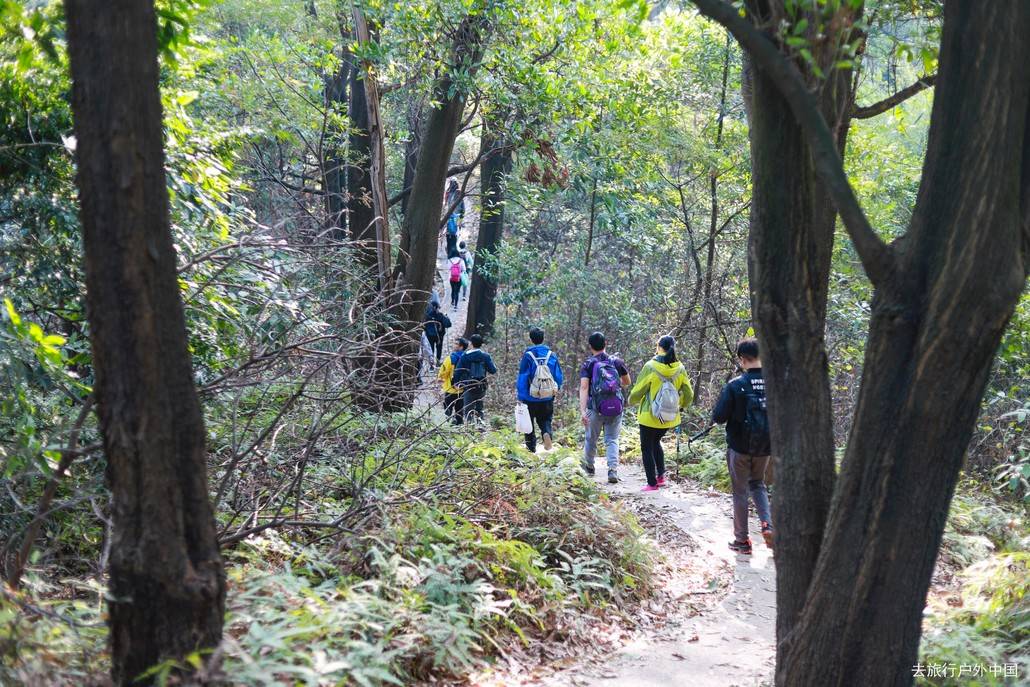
(748, 348)
(536, 335)
(461, 244)
(452, 253)
(476, 340)
(463, 342)
(597, 341)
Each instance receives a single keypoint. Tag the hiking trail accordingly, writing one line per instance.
(429, 395)
(715, 626)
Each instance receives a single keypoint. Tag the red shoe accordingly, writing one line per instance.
(661, 480)
(767, 535)
(649, 488)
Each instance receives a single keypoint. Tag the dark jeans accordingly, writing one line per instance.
(652, 453)
(455, 293)
(437, 346)
(452, 407)
(541, 412)
(452, 243)
(747, 473)
(472, 402)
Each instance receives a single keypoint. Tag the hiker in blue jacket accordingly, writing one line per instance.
(540, 378)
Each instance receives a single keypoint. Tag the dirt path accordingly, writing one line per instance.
(726, 642)
(430, 394)
(730, 644)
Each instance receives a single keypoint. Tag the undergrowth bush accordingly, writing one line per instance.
(503, 551)
(989, 633)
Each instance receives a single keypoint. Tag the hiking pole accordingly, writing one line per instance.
(701, 434)
(694, 438)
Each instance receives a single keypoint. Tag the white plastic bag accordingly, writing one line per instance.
(523, 422)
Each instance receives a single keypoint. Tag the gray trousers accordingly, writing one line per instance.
(612, 426)
(747, 474)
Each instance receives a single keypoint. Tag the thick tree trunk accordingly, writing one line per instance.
(360, 205)
(417, 259)
(496, 164)
(935, 329)
(790, 247)
(334, 164)
(380, 229)
(167, 585)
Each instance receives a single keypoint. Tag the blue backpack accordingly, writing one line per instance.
(452, 225)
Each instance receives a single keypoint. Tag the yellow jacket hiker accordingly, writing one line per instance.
(650, 399)
(650, 381)
(452, 404)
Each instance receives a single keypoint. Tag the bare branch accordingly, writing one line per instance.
(893, 101)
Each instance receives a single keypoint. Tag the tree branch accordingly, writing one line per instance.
(877, 257)
(901, 96)
(453, 171)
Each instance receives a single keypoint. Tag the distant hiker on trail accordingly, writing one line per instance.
(466, 256)
(470, 377)
(457, 273)
(452, 404)
(452, 234)
(434, 326)
(601, 401)
(662, 391)
(454, 196)
(540, 378)
(741, 406)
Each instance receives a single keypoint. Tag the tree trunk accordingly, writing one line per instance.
(496, 164)
(790, 247)
(935, 328)
(334, 165)
(167, 584)
(417, 259)
(380, 209)
(360, 206)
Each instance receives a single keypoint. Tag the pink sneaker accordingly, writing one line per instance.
(661, 480)
(649, 488)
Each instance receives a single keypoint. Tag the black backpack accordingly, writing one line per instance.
(756, 420)
(474, 374)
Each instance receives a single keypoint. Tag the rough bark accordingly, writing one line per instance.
(934, 332)
(360, 207)
(417, 258)
(790, 247)
(167, 585)
(380, 229)
(496, 164)
(334, 164)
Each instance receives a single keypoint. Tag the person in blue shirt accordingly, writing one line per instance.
(538, 391)
(471, 377)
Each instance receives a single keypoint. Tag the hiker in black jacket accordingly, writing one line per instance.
(741, 406)
(470, 377)
(435, 325)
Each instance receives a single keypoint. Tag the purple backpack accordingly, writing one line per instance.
(605, 388)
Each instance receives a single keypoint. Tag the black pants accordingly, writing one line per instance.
(437, 346)
(541, 412)
(452, 243)
(452, 407)
(455, 293)
(472, 402)
(651, 452)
